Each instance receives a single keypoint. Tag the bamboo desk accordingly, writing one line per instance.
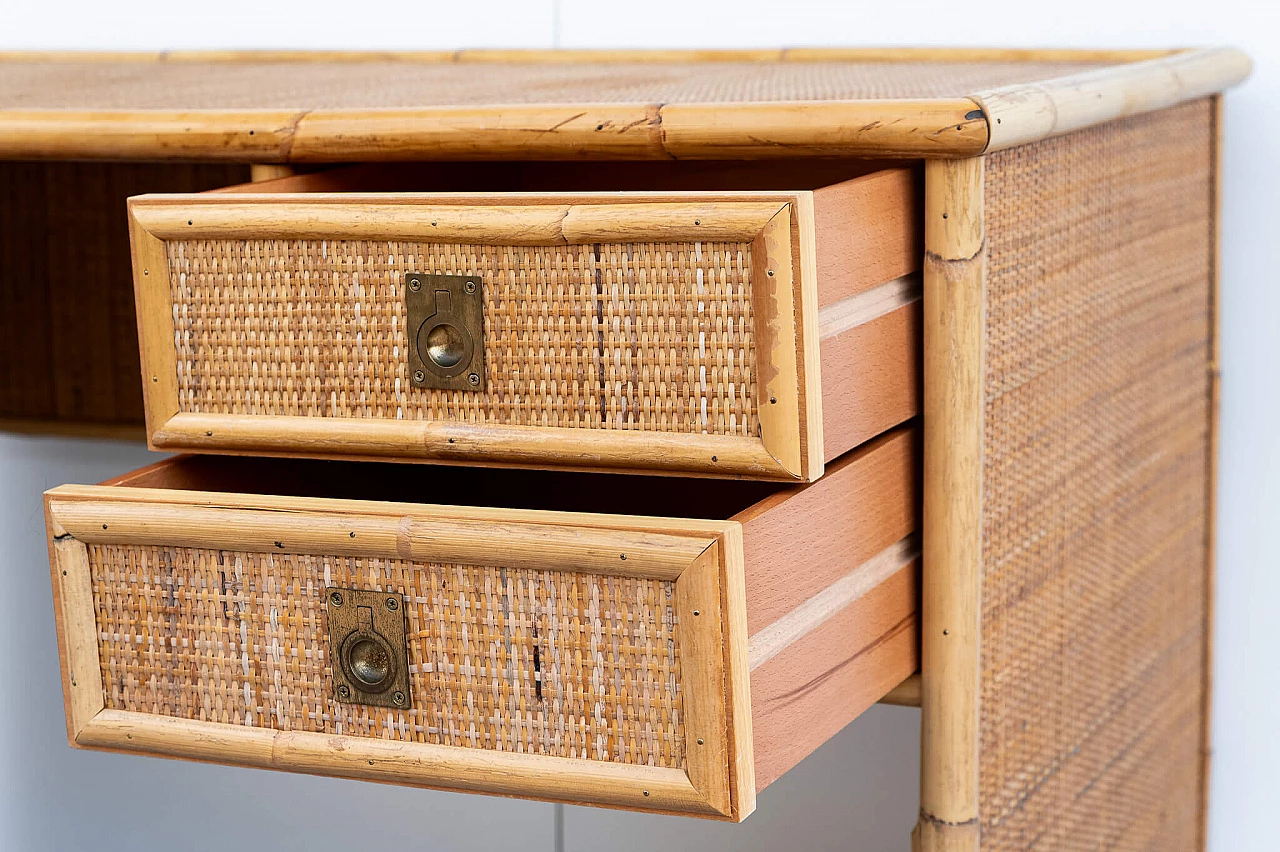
(1068, 317)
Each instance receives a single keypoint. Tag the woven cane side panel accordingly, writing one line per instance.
(645, 336)
(542, 662)
(1095, 486)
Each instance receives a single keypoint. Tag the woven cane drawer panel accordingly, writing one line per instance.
(655, 336)
(544, 662)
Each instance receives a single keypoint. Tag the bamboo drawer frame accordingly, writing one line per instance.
(748, 635)
(832, 288)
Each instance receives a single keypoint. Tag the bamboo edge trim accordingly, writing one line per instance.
(779, 299)
(1141, 81)
(79, 634)
(569, 780)
(899, 127)
(469, 443)
(808, 616)
(469, 218)
(1029, 112)
(605, 551)
(741, 740)
(701, 635)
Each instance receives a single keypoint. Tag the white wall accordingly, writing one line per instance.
(858, 792)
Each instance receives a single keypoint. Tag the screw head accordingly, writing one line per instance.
(419, 376)
(335, 598)
(397, 697)
(470, 286)
(344, 692)
(393, 604)
(474, 379)
(415, 284)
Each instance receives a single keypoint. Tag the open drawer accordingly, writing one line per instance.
(572, 637)
(751, 334)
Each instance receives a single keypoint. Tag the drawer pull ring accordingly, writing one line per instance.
(367, 648)
(446, 328)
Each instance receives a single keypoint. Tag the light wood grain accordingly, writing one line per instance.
(867, 231)
(816, 686)
(866, 502)
(813, 613)
(1027, 112)
(870, 378)
(868, 305)
(954, 272)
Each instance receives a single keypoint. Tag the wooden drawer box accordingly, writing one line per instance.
(675, 650)
(754, 334)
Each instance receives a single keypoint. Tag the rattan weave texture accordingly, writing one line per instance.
(300, 86)
(654, 336)
(1095, 487)
(544, 662)
(69, 349)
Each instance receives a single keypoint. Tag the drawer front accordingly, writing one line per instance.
(626, 331)
(601, 661)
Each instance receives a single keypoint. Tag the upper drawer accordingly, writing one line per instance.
(674, 331)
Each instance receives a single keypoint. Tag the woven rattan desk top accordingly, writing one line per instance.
(274, 107)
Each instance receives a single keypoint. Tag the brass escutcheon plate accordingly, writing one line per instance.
(367, 649)
(446, 331)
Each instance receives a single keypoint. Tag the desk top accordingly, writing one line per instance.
(327, 107)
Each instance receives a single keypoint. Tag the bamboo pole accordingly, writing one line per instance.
(954, 273)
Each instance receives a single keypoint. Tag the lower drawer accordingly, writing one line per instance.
(640, 643)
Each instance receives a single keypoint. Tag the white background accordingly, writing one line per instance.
(859, 791)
